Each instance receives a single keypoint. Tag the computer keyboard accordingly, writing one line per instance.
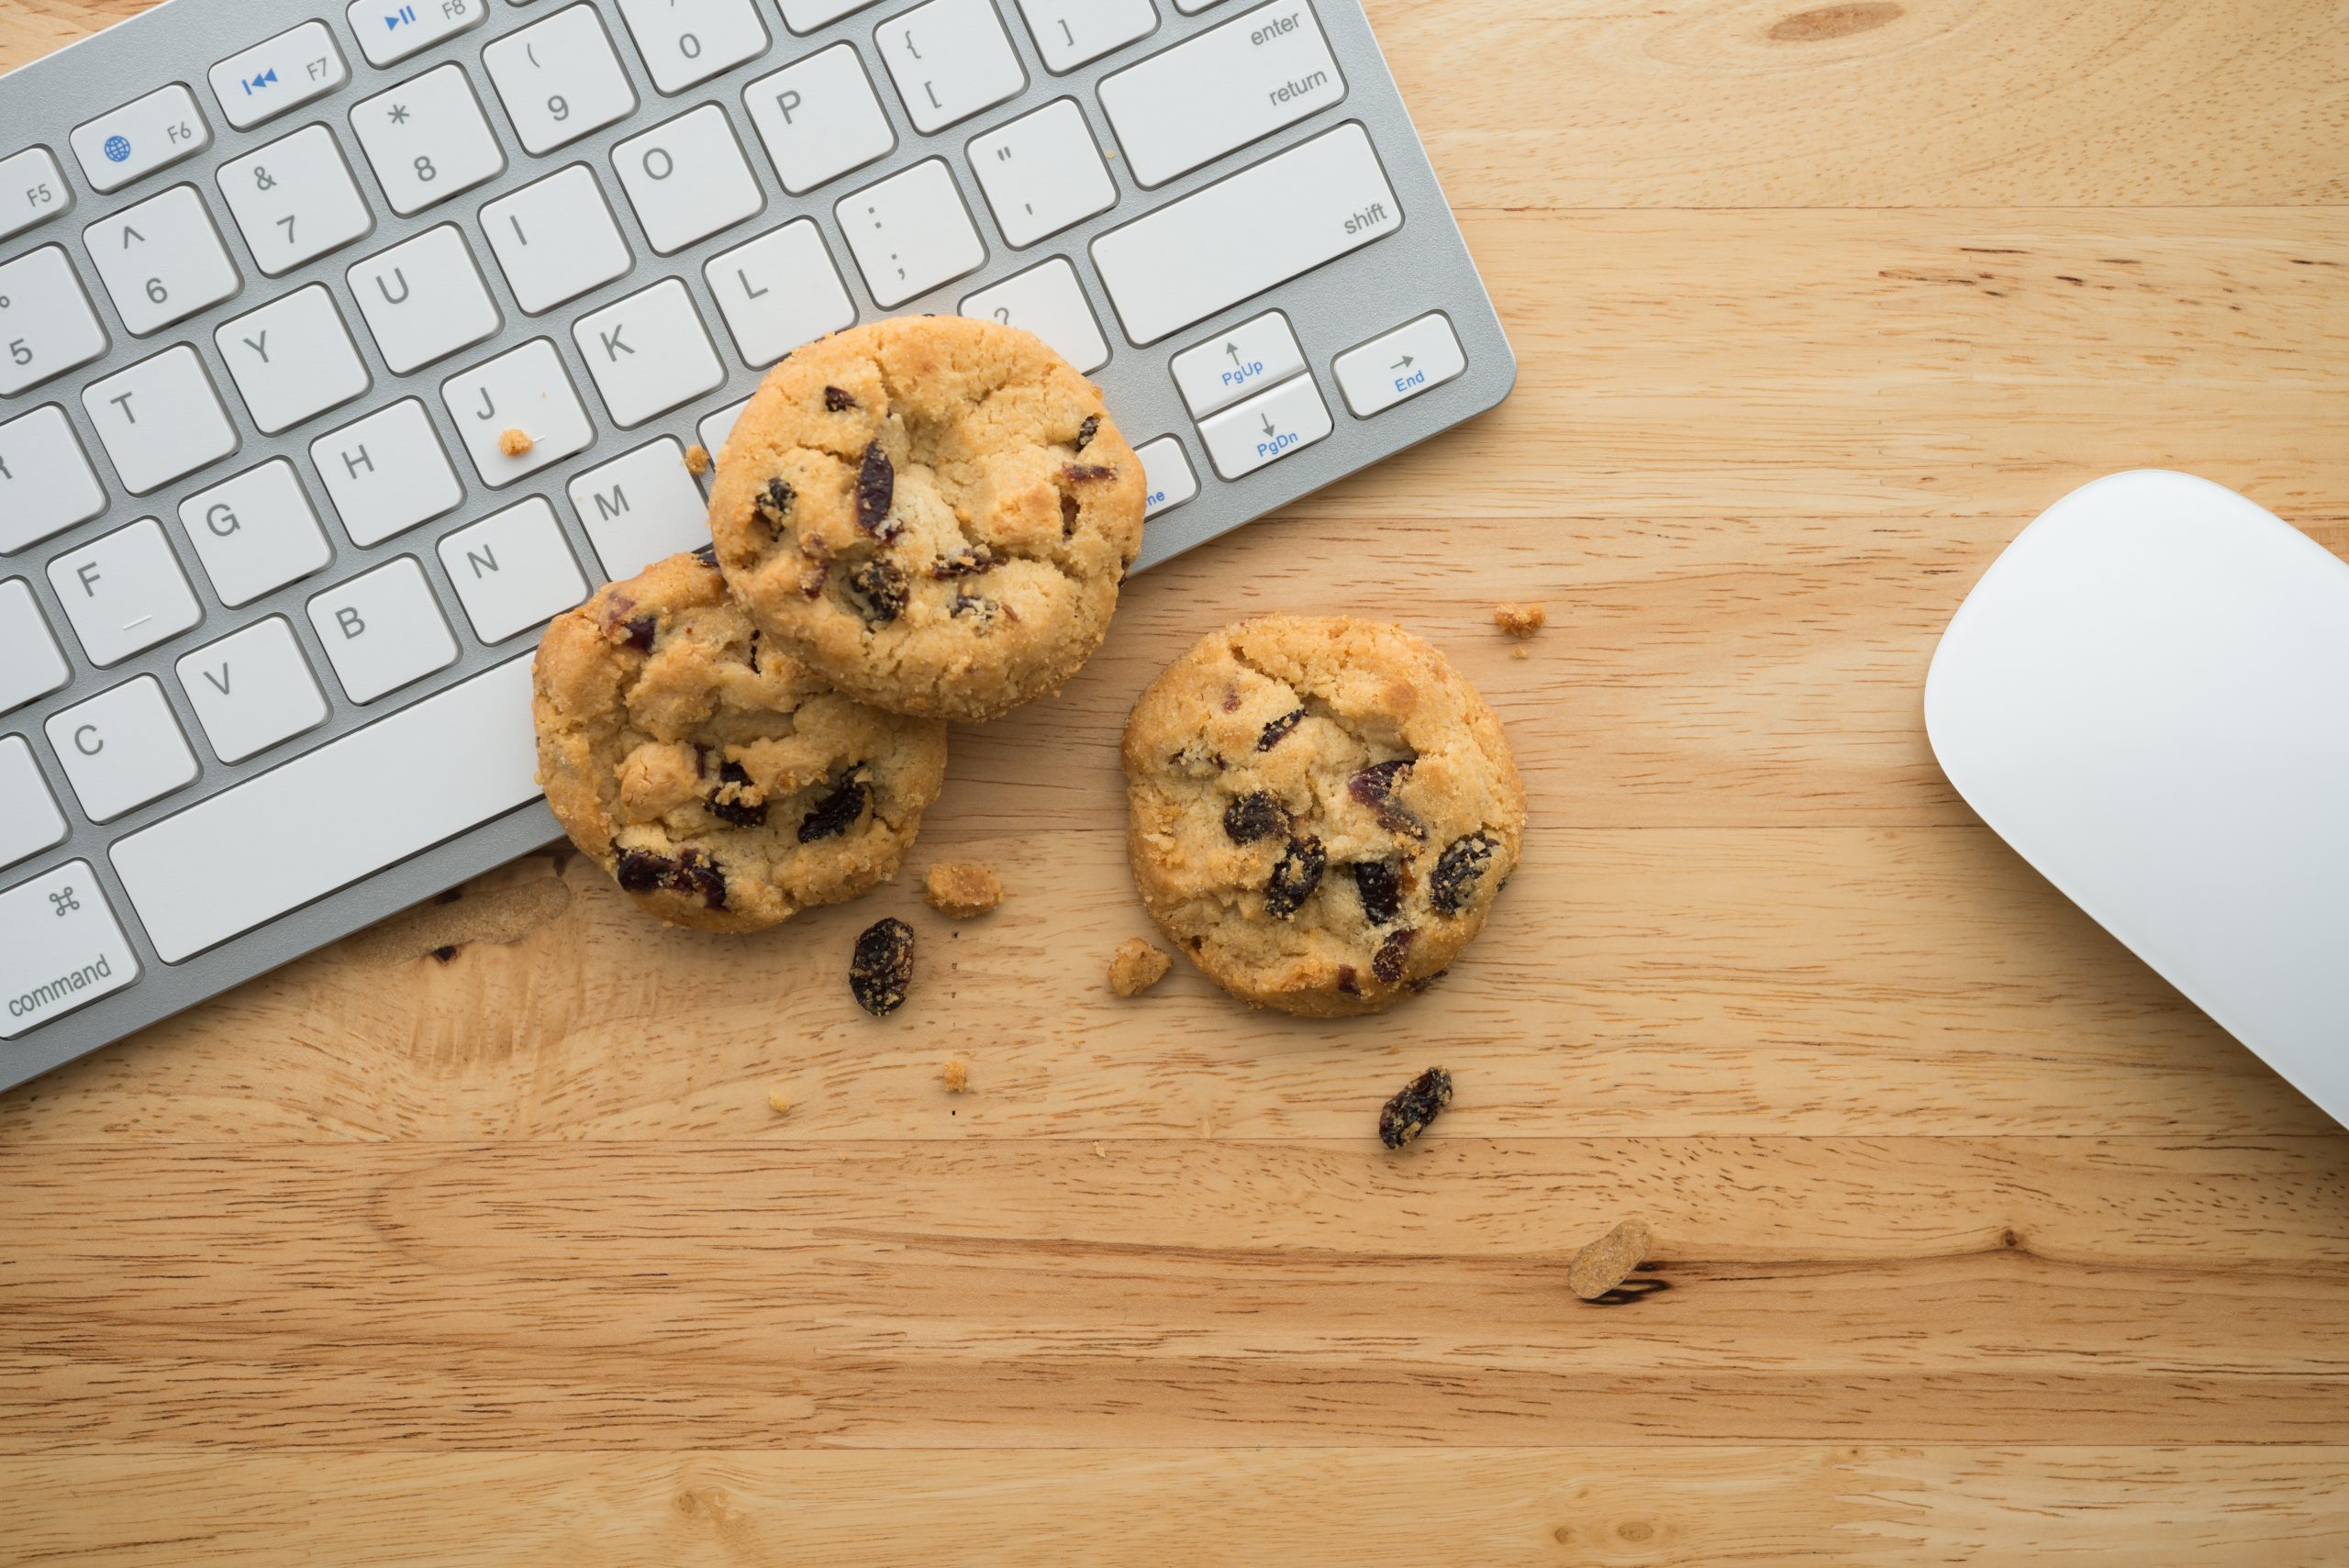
(280, 282)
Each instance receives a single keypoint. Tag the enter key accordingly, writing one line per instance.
(1266, 428)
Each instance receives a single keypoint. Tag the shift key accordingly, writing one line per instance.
(60, 947)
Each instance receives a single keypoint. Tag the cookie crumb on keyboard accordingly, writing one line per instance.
(696, 460)
(1520, 620)
(1415, 1104)
(962, 889)
(956, 1075)
(1137, 966)
(778, 1102)
(513, 443)
(1606, 1263)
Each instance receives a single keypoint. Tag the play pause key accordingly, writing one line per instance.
(389, 30)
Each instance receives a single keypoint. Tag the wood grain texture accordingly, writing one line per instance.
(1975, 1242)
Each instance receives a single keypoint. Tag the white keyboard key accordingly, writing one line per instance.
(382, 629)
(255, 533)
(525, 390)
(46, 483)
(426, 138)
(513, 570)
(370, 799)
(47, 326)
(1193, 8)
(30, 664)
(910, 233)
(162, 261)
(640, 508)
(949, 59)
(714, 428)
(559, 79)
(424, 299)
(121, 748)
(295, 200)
(1167, 478)
(820, 118)
(1266, 427)
(124, 591)
(1041, 172)
(30, 820)
(391, 30)
(1230, 365)
(1413, 358)
(160, 419)
(278, 74)
(807, 15)
(61, 948)
(387, 473)
(687, 179)
(1068, 33)
(686, 41)
(293, 357)
(139, 137)
(648, 352)
(1264, 226)
(1048, 301)
(252, 689)
(555, 240)
(32, 190)
(1222, 90)
(779, 291)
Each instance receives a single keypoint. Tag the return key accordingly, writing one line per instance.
(1222, 90)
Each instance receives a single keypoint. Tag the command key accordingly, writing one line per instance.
(60, 947)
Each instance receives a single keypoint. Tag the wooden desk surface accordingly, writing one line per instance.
(1981, 1243)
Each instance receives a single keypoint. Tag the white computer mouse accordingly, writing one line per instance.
(2147, 695)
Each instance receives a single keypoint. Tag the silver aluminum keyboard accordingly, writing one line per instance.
(277, 278)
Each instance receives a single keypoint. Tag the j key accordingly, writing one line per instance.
(255, 533)
(162, 261)
(559, 79)
(32, 190)
(424, 299)
(61, 948)
(139, 137)
(807, 15)
(686, 41)
(648, 353)
(1049, 302)
(1222, 90)
(639, 508)
(1070, 32)
(30, 820)
(295, 199)
(820, 118)
(124, 591)
(949, 59)
(252, 689)
(46, 481)
(121, 748)
(555, 240)
(391, 30)
(779, 291)
(1042, 172)
(687, 179)
(526, 392)
(47, 326)
(428, 139)
(386, 473)
(30, 663)
(1167, 479)
(910, 233)
(382, 629)
(160, 419)
(278, 74)
(293, 357)
(513, 570)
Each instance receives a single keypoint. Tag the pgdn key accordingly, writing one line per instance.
(1266, 428)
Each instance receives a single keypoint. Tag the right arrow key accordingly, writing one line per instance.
(1399, 365)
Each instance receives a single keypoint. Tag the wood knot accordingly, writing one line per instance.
(2008, 1239)
(1824, 22)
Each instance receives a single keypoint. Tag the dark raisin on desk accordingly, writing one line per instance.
(1406, 1116)
(883, 966)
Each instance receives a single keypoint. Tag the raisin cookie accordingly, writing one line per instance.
(934, 513)
(1321, 811)
(716, 778)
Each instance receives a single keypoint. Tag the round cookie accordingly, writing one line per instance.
(714, 776)
(935, 513)
(1320, 811)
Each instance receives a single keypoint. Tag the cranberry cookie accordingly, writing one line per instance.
(1321, 811)
(719, 782)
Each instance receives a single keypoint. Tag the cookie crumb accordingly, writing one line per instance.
(696, 460)
(1520, 620)
(956, 1075)
(1136, 967)
(962, 889)
(1606, 1263)
(513, 443)
(1518, 652)
(1414, 1106)
(1099, 1152)
(778, 1102)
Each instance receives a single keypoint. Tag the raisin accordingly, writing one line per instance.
(877, 490)
(1349, 981)
(1070, 511)
(1406, 1116)
(883, 967)
(1253, 816)
(641, 871)
(836, 401)
(733, 782)
(774, 503)
(1458, 871)
(1393, 954)
(811, 583)
(1087, 472)
(1381, 887)
(638, 632)
(1087, 431)
(1278, 729)
(1231, 699)
(707, 555)
(1374, 787)
(881, 584)
(697, 874)
(968, 607)
(834, 814)
(972, 562)
(1293, 880)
